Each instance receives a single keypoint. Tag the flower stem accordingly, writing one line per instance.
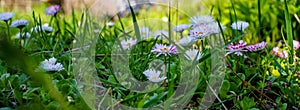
(8, 34)
(181, 35)
(165, 72)
(21, 37)
(57, 23)
(58, 34)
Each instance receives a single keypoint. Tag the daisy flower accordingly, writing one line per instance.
(296, 44)
(50, 65)
(165, 50)
(237, 49)
(187, 41)
(180, 28)
(200, 31)
(281, 54)
(127, 44)
(19, 23)
(110, 24)
(46, 28)
(201, 19)
(145, 32)
(203, 30)
(153, 76)
(215, 29)
(193, 54)
(256, 47)
(23, 35)
(52, 10)
(240, 25)
(6, 16)
(161, 34)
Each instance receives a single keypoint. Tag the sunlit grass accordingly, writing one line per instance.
(257, 78)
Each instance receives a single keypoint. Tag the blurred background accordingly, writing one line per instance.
(28, 5)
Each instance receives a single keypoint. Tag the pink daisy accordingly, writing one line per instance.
(282, 54)
(52, 10)
(296, 44)
(163, 49)
(237, 48)
(256, 47)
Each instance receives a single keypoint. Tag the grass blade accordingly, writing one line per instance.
(134, 21)
(289, 32)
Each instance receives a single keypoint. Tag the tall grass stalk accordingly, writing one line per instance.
(259, 20)
(135, 23)
(289, 32)
(8, 34)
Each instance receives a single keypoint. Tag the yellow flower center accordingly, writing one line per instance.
(200, 33)
(193, 56)
(155, 78)
(128, 44)
(143, 33)
(164, 49)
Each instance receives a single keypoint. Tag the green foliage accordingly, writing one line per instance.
(265, 27)
(246, 84)
(247, 103)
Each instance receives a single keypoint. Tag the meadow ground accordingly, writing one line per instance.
(210, 54)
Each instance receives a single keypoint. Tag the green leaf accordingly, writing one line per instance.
(142, 102)
(52, 106)
(155, 99)
(225, 89)
(112, 79)
(134, 21)
(283, 106)
(247, 103)
(289, 32)
(27, 94)
(18, 96)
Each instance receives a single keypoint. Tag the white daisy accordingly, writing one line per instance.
(200, 31)
(19, 23)
(127, 44)
(240, 25)
(187, 41)
(145, 32)
(110, 24)
(193, 54)
(215, 29)
(203, 30)
(50, 65)
(153, 76)
(46, 28)
(180, 28)
(201, 19)
(23, 35)
(161, 34)
(6, 16)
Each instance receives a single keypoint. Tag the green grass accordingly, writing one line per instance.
(98, 76)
